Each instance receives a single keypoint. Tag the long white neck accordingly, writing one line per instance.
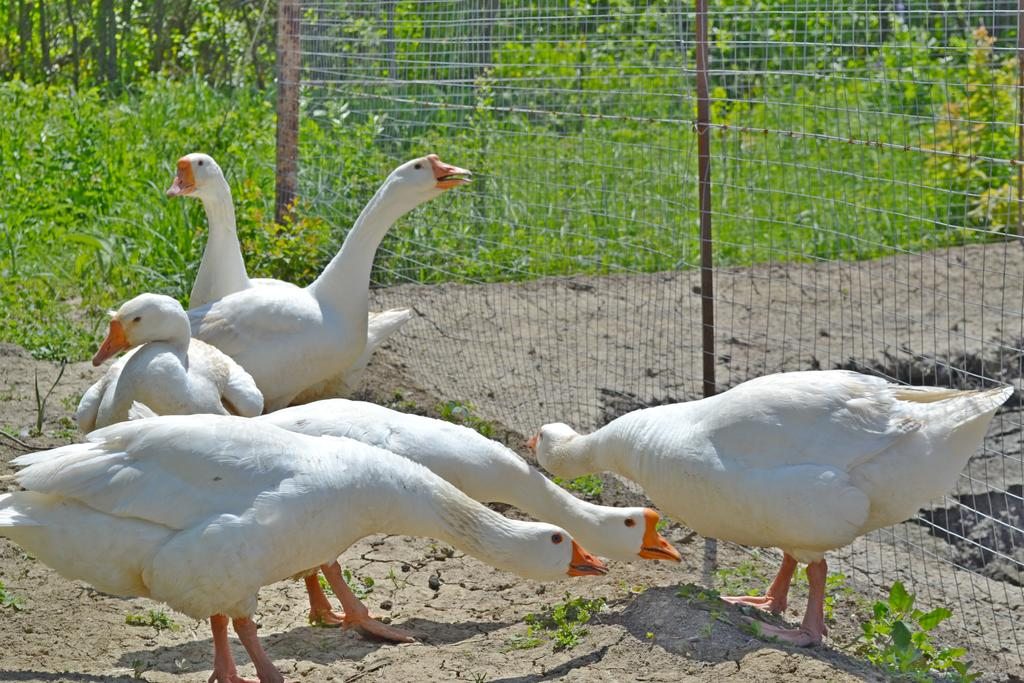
(222, 270)
(344, 284)
(604, 450)
(180, 336)
(535, 494)
(419, 503)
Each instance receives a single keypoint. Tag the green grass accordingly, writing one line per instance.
(85, 224)
(563, 624)
(589, 484)
(464, 414)
(158, 619)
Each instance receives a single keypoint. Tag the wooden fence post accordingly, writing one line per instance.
(288, 62)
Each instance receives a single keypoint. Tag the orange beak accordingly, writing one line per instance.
(585, 564)
(655, 546)
(115, 341)
(447, 176)
(532, 442)
(184, 182)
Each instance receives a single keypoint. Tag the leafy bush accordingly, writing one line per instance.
(87, 226)
(972, 129)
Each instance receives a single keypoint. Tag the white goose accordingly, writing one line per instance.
(291, 340)
(485, 470)
(201, 511)
(222, 270)
(171, 373)
(802, 461)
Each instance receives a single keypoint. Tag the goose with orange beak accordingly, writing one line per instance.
(294, 340)
(222, 269)
(201, 511)
(485, 470)
(802, 461)
(169, 372)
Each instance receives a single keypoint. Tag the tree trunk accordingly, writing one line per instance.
(25, 40)
(76, 57)
(44, 39)
(126, 56)
(104, 35)
(157, 37)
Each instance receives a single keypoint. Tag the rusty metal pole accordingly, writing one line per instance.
(288, 61)
(707, 298)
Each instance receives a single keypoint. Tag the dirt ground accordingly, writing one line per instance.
(506, 350)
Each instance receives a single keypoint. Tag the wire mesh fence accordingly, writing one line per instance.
(867, 179)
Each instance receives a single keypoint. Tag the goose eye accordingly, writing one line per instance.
(418, 166)
(631, 522)
(136, 318)
(556, 538)
(200, 162)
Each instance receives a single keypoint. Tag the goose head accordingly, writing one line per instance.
(146, 318)
(557, 449)
(427, 177)
(198, 176)
(635, 530)
(545, 552)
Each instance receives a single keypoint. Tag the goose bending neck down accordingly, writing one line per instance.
(165, 369)
(324, 326)
(802, 461)
(206, 486)
(485, 470)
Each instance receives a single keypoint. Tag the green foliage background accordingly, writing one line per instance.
(101, 97)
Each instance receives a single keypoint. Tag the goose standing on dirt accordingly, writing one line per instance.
(222, 270)
(291, 340)
(201, 511)
(170, 372)
(483, 469)
(802, 461)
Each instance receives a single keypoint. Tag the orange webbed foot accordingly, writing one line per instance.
(326, 618)
(371, 628)
(765, 603)
(228, 676)
(799, 637)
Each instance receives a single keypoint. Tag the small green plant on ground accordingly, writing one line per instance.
(746, 578)
(361, 585)
(399, 581)
(462, 413)
(10, 600)
(158, 619)
(588, 484)
(399, 402)
(698, 595)
(565, 623)
(42, 398)
(896, 638)
(835, 588)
